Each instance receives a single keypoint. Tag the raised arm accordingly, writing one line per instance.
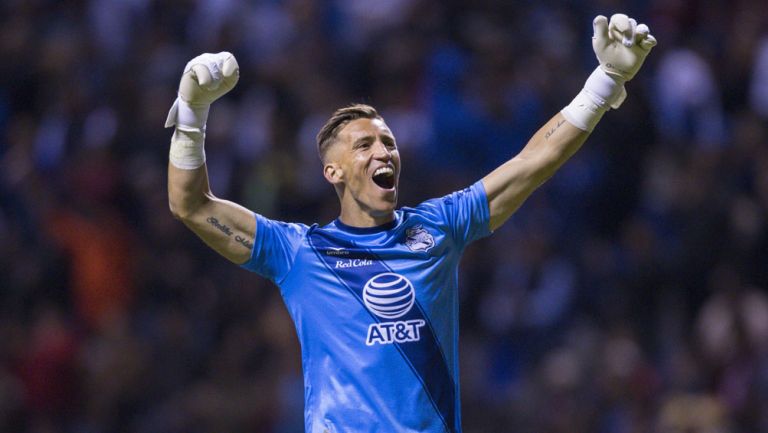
(621, 47)
(226, 227)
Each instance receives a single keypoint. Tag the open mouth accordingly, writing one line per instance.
(384, 177)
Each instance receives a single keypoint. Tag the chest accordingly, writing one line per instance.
(416, 255)
(411, 246)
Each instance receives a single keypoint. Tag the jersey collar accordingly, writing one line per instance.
(366, 230)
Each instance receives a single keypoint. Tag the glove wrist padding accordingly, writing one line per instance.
(601, 92)
(605, 90)
(187, 117)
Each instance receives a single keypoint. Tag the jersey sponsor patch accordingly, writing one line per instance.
(394, 332)
(390, 296)
(353, 263)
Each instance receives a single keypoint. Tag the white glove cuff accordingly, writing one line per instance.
(583, 112)
(187, 152)
(606, 90)
(601, 92)
(187, 117)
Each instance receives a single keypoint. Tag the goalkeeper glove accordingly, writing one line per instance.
(206, 78)
(621, 47)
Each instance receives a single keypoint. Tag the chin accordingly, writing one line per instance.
(383, 206)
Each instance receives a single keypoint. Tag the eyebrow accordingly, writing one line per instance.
(361, 140)
(385, 138)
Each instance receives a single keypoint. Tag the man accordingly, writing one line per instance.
(373, 294)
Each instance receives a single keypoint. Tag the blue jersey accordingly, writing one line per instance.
(376, 312)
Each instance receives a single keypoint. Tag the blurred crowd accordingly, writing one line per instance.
(628, 295)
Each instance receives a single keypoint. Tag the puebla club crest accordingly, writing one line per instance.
(417, 238)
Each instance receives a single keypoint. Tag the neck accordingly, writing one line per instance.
(364, 219)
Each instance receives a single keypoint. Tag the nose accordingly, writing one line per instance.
(381, 151)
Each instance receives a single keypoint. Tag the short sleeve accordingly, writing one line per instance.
(274, 248)
(464, 212)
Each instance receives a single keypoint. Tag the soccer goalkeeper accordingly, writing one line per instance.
(373, 294)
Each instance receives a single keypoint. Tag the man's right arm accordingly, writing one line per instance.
(226, 227)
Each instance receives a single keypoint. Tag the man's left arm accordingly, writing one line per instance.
(510, 184)
(621, 47)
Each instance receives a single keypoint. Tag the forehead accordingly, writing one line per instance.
(360, 128)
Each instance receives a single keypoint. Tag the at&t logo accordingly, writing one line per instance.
(391, 296)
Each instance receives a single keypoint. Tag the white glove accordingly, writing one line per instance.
(622, 45)
(206, 78)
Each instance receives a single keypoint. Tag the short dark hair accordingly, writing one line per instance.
(338, 120)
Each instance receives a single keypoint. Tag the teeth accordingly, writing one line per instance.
(384, 170)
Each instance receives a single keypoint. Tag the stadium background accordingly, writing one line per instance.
(627, 295)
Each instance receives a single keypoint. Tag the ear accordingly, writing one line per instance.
(333, 173)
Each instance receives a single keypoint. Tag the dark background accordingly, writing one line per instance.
(628, 294)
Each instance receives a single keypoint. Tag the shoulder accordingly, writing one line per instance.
(294, 227)
(275, 231)
(439, 205)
